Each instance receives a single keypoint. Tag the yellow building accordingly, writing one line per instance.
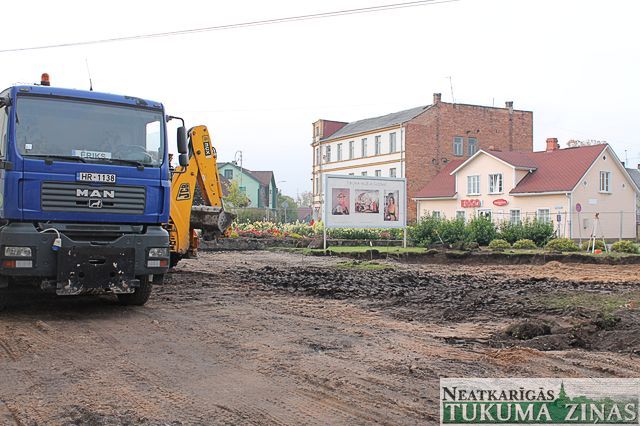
(565, 186)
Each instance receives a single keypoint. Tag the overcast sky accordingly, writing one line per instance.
(575, 64)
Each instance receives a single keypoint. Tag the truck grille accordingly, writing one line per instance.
(79, 197)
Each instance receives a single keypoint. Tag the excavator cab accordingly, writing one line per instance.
(195, 183)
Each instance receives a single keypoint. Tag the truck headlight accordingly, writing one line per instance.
(159, 252)
(17, 251)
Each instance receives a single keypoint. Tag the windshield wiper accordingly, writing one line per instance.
(47, 157)
(138, 164)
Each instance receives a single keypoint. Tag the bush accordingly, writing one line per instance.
(561, 244)
(423, 233)
(538, 232)
(599, 245)
(524, 244)
(511, 232)
(481, 230)
(471, 246)
(452, 231)
(624, 247)
(499, 245)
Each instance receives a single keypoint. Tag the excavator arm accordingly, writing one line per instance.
(185, 217)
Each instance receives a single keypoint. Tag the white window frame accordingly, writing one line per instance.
(461, 214)
(351, 149)
(458, 146)
(470, 190)
(339, 152)
(487, 212)
(392, 142)
(377, 145)
(377, 173)
(511, 217)
(327, 154)
(541, 218)
(472, 146)
(363, 147)
(363, 174)
(436, 214)
(393, 172)
(605, 182)
(492, 183)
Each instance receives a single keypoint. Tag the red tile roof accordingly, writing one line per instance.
(553, 171)
(559, 170)
(443, 184)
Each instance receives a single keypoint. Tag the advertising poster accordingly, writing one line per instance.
(364, 202)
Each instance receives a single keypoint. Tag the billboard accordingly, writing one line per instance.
(364, 202)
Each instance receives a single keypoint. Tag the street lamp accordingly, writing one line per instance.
(237, 157)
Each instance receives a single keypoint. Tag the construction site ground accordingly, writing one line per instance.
(281, 338)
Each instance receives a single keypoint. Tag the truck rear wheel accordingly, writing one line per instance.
(142, 293)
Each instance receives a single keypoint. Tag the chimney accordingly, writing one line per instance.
(552, 144)
(437, 97)
(509, 105)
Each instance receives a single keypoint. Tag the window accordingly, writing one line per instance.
(351, 149)
(228, 173)
(461, 215)
(392, 142)
(318, 155)
(514, 216)
(473, 185)
(543, 215)
(605, 181)
(317, 130)
(392, 172)
(378, 145)
(472, 146)
(486, 213)
(3, 131)
(378, 173)
(435, 214)
(351, 174)
(327, 154)
(458, 146)
(364, 173)
(495, 183)
(364, 147)
(339, 152)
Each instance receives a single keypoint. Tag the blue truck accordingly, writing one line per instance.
(84, 191)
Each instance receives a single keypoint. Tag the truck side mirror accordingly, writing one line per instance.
(183, 160)
(182, 141)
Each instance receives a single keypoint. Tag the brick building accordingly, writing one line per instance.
(416, 143)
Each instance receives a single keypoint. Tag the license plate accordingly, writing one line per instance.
(96, 177)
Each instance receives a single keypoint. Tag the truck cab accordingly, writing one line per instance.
(84, 191)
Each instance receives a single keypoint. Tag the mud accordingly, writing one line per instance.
(274, 338)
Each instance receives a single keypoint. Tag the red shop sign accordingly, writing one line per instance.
(470, 203)
(500, 202)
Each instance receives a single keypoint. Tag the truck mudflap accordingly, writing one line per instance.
(101, 268)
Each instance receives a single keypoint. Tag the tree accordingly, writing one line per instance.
(236, 198)
(304, 199)
(287, 208)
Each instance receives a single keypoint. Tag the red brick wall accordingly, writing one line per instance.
(429, 139)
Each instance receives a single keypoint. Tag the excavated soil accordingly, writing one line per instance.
(274, 338)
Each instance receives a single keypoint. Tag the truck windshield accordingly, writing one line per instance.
(47, 127)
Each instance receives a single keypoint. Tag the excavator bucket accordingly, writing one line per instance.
(213, 221)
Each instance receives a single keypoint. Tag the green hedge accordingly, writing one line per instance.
(538, 232)
(499, 245)
(524, 244)
(562, 244)
(624, 247)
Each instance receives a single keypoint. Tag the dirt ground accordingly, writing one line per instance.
(274, 338)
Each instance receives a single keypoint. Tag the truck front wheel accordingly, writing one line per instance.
(142, 293)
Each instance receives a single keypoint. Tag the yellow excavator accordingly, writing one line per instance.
(189, 222)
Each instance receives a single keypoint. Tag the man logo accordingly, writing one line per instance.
(95, 203)
(184, 193)
(95, 193)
